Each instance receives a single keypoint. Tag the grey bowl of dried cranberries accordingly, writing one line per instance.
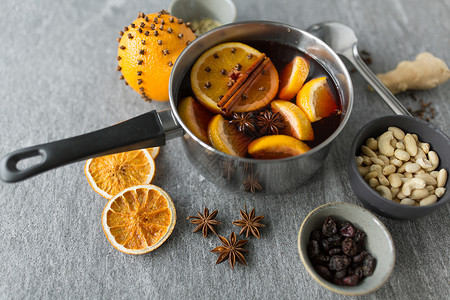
(346, 249)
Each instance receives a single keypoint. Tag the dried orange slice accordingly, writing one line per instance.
(110, 174)
(296, 121)
(225, 137)
(292, 78)
(316, 99)
(276, 146)
(153, 151)
(195, 117)
(221, 66)
(139, 219)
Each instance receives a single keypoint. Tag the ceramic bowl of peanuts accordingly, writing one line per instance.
(398, 167)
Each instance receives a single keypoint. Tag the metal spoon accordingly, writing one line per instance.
(342, 40)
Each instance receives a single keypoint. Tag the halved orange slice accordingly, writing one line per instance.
(292, 78)
(216, 70)
(296, 121)
(196, 117)
(110, 174)
(226, 138)
(139, 219)
(316, 99)
(276, 146)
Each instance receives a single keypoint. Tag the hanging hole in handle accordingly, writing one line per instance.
(27, 160)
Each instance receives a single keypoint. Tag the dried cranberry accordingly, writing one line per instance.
(359, 236)
(323, 271)
(339, 262)
(316, 235)
(358, 271)
(341, 274)
(337, 281)
(334, 240)
(334, 251)
(368, 265)
(325, 245)
(351, 280)
(349, 247)
(313, 248)
(329, 227)
(322, 259)
(347, 229)
(359, 257)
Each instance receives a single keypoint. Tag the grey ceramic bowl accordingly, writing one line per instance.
(378, 242)
(223, 11)
(439, 143)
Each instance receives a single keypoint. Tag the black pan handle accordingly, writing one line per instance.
(147, 130)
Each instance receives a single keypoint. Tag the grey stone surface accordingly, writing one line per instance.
(57, 80)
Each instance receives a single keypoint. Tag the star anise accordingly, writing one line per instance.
(269, 122)
(251, 183)
(249, 223)
(231, 250)
(205, 221)
(244, 122)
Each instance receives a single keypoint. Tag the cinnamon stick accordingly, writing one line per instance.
(233, 100)
(241, 80)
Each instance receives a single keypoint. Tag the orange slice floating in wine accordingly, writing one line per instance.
(292, 78)
(226, 138)
(276, 146)
(195, 117)
(316, 99)
(296, 121)
(218, 69)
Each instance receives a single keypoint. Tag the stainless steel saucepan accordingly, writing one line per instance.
(154, 128)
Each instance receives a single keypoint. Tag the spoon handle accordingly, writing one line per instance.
(352, 55)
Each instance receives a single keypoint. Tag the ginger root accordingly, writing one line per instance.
(425, 72)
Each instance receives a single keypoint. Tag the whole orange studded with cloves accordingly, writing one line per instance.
(148, 48)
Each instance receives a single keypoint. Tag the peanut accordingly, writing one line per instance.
(402, 155)
(408, 201)
(439, 192)
(441, 178)
(367, 161)
(389, 169)
(376, 160)
(372, 144)
(367, 151)
(383, 180)
(397, 132)
(428, 200)
(410, 145)
(384, 191)
(359, 160)
(396, 162)
(395, 180)
(419, 194)
(411, 167)
(400, 145)
(373, 182)
(425, 147)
